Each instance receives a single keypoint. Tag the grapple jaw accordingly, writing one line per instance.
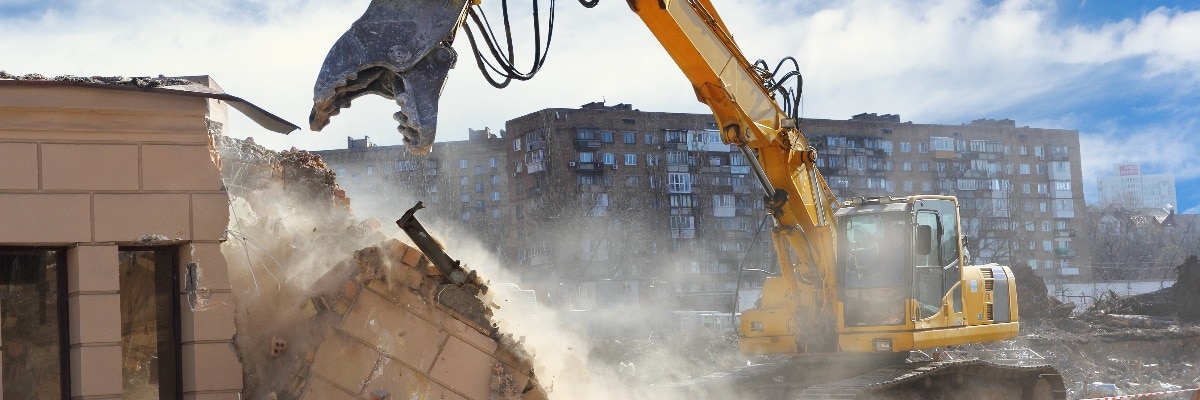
(398, 49)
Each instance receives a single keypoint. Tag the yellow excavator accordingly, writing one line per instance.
(862, 282)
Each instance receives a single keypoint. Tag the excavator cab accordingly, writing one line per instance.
(902, 280)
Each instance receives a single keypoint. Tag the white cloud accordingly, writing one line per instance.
(945, 61)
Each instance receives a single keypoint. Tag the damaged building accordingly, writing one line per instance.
(145, 255)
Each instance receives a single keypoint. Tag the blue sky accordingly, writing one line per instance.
(1125, 74)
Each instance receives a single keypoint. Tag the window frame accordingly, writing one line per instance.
(63, 310)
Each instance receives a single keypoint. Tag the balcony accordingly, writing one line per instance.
(584, 144)
(1065, 253)
(1064, 233)
(588, 167)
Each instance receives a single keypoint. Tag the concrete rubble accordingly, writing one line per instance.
(329, 307)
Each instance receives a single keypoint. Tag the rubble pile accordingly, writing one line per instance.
(329, 307)
(1033, 299)
(1091, 353)
(1180, 300)
(1122, 345)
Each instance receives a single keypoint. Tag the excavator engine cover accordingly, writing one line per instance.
(398, 49)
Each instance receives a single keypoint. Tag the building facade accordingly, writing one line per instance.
(1132, 190)
(112, 214)
(463, 184)
(604, 206)
(1019, 188)
(615, 206)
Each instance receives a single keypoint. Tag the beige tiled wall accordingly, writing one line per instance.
(396, 342)
(94, 169)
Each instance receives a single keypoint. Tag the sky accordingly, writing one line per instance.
(1125, 74)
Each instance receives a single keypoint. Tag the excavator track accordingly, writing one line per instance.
(965, 379)
(856, 376)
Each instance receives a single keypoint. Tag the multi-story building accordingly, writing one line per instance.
(1019, 189)
(463, 184)
(1131, 190)
(613, 205)
(601, 206)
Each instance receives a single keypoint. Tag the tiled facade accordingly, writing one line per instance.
(121, 184)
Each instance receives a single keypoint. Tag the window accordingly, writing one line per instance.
(941, 143)
(628, 137)
(466, 198)
(906, 166)
(492, 162)
(631, 180)
(905, 147)
(651, 138)
(341, 172)
(606, 136)
(478, 170)
(722, 200)
(462, 164)
(463, 181)
(1039, 152)
(924, 166)
(495, 196)
(651, 159)
(922, 148)
(495, 179)
(1062, 185)
(478, 188)
(517, 144)
(1023, 150)
(370, 170)
(33, 311)
(587, 156)
(150, 341)
(630, 159)
(679, 182)
(609, 159)
(1025, 188)
(1024, 169)
(406, 165)
(1045, 226)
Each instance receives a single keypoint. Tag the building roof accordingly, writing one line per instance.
(178, 86)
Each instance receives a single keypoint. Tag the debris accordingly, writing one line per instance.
(354, 314)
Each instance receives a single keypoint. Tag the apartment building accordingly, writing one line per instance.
(601, 206)
(1019, 188)
(614, 206)
(463, 184)
(1130, 189)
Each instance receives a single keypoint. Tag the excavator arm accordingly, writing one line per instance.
(400, 49)
(797, 312)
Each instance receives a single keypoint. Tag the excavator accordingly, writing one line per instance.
(861, 283)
